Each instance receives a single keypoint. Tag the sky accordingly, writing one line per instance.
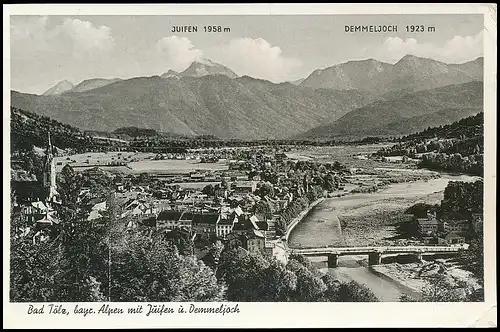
(48, 49)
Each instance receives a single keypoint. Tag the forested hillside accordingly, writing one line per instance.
(28, 129)
(457, 147)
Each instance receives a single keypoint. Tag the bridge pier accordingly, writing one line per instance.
(419, 256)
(375, 253)
(333, 260)
(374, 258)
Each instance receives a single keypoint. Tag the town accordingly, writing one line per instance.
(245, 197)
(250, 202)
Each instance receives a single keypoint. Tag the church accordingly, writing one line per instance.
(36, 199)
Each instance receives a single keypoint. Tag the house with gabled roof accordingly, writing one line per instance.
(168, 219)
(225, 226)
(454, 238)
(256, 241)
(205, 222)
(428, 225)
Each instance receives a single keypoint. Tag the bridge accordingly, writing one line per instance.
(375, 253)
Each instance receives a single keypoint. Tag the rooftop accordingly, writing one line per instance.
(169, 215)
(206, 218)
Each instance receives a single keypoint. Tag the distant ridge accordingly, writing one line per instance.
(409, 74)
(93, 83)
(407, 113)
(243, 108)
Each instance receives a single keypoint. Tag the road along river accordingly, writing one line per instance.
(323, 226)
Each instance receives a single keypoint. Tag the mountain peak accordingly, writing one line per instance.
(409, 58)
(170, 73)
(204, 67)
(207, 62)
(413, 59)
(59, 88)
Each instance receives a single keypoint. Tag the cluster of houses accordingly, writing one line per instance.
(201, 215)
(449, 230)
(226, 211)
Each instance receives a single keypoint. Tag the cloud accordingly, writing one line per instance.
(29, 35)
(178, 52)
(25, 27)
(86, 38)
(32, 35)
(256, 58)
(455, 50)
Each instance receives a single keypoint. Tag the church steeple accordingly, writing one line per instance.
(49, 145)
(49, 171)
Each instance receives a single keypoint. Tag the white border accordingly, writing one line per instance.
(270, 315)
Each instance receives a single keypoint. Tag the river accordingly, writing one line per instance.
(322, 227)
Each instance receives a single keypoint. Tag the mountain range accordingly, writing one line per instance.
(409, 74)
(244, 107)
(365, 97)
(199, 68)
(406, 114)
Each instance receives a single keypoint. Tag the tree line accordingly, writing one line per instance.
(457, 147)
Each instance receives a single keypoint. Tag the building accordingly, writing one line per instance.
(277, 249)
(49, 174)
(243, 225)
(136, 208)
(205, 223)
(37, 197)
(229, 217)
(26, 187)
(256, 242)
(280, 156)
(244, 187)
(32, 211)
(197, 176)
(220, 192)
(168, 219)
(477, 222)
(186, 220)
(454, 238)
(458, 226)
(96, 172)
(434, 240)
(428, 225)
(97, 210)
(225, 226)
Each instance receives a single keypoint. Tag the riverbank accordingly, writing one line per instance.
(356, 268)
(302, 215)
(366, 219)
(417, 276)
(379, 178)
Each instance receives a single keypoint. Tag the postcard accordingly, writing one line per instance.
(264, 165)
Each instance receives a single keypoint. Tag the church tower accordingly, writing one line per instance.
(49, 172)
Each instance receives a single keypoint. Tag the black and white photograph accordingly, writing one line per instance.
(245, 158)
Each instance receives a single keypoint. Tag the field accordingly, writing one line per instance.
(131, 162)
(349, 155)
(196, 185)
(175, 166)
